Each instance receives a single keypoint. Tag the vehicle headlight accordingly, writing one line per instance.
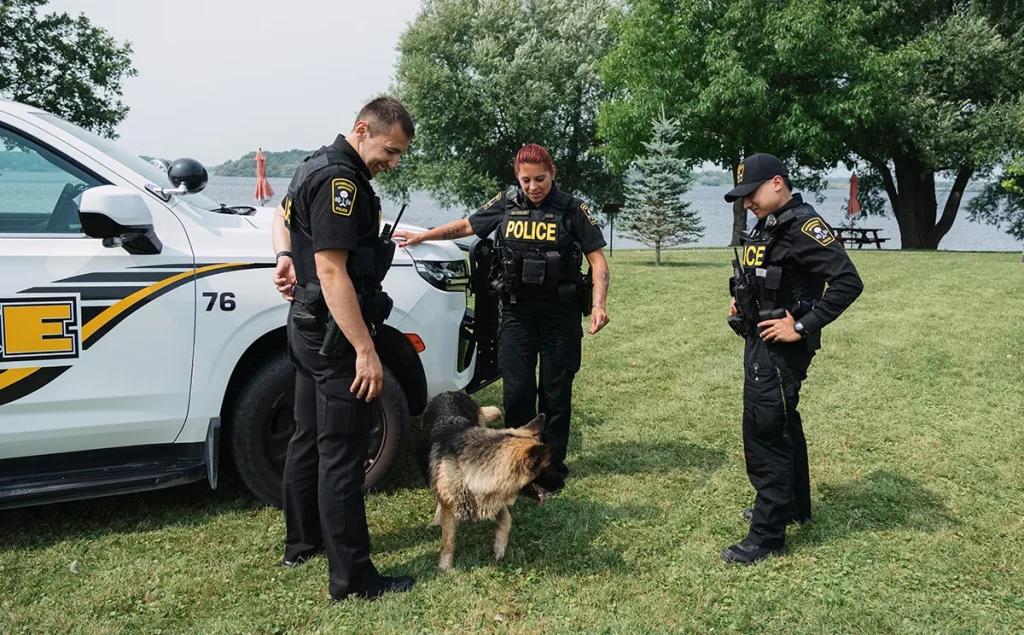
(447, 275)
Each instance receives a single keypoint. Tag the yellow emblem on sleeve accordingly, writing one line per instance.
(497, 197)
(817, 230)
(586, 212)
(343, 195)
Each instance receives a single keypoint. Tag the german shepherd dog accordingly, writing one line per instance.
(475, 472)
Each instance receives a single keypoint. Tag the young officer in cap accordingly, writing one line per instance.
(330, 221)
(779, 308)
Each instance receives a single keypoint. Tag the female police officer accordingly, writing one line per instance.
(542, 234)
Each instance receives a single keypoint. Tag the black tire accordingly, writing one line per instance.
(262, 421)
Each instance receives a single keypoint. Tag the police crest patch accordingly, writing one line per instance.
(497, 197)
(343, 196)
(817, 230)
(586, 212)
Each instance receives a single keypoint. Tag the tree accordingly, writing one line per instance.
(741, 76)
(655, 212)
(1002, 202)
(912, 89)
(943, 84)
(63, 64)
(482, 78)
(280, 165)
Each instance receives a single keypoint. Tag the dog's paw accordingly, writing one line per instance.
(446, 564)
(499, 552)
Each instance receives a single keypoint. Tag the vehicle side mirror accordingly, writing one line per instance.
(120, 217)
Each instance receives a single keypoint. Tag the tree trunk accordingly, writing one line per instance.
(657, 253)
(913, 200)
(739, 215)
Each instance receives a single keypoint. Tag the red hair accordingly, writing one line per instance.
(533, 153)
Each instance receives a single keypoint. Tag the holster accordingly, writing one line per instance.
(374, 306)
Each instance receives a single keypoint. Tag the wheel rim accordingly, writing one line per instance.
(279, 427)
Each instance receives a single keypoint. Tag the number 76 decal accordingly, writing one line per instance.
(227, 300)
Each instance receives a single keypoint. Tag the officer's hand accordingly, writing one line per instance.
(598, 319)
(369, 376)
(779, 330)
(408, 238)
(732, 307)
(284, 277)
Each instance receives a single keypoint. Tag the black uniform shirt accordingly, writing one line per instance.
(577, 219)
(808, 252)
(334, 208)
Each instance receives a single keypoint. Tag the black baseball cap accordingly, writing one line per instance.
(755, 170)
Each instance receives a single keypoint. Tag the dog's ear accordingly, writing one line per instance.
(536, 427)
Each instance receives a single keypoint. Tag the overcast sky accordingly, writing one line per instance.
(217, 78)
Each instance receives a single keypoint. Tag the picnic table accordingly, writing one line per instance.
(859, 236)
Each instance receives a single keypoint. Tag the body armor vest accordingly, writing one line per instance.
(537, 257)
(369, 262)
(778, 288)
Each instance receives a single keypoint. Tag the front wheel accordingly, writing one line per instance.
(262, 421)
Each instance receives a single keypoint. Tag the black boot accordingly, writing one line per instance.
(385, 585)
(746, 552)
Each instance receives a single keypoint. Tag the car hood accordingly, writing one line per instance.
(445, 250)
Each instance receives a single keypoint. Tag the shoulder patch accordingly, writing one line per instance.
(497, 197)
(343, 196)
(817, 230)
(586, 212)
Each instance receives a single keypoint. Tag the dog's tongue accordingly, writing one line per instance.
(540, 494)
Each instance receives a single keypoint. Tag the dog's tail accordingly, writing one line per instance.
(488, 415)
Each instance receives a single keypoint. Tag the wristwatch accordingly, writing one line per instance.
(282, 253)
(799, 328)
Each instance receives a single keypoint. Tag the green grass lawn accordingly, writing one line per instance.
(913, 417)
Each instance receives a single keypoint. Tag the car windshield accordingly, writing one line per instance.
(132, 161)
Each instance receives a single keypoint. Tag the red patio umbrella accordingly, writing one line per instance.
(853, 209)
(263, 190)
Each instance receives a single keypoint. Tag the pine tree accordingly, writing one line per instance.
(655, 213)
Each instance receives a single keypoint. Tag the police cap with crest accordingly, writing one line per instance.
(755, 170)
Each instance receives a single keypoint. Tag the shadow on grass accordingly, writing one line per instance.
(560, 537)
(188, 505)
(880, 501)
(647, 456)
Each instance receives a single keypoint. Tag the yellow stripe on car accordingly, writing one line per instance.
(121, 306)
(13, 375)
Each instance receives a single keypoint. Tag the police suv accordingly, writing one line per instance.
(140, 330)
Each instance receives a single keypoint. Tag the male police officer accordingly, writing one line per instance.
(333, 217)
(779, 308)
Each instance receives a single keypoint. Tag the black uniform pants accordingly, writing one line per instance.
(553, 332)
(773, 442)
(325, 465)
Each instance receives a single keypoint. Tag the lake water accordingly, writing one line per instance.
(715, 214)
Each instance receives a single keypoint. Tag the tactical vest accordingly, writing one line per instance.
(537, 257)
(775, 284)
(369, 262)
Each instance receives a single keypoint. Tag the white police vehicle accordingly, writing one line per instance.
(140, 330)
